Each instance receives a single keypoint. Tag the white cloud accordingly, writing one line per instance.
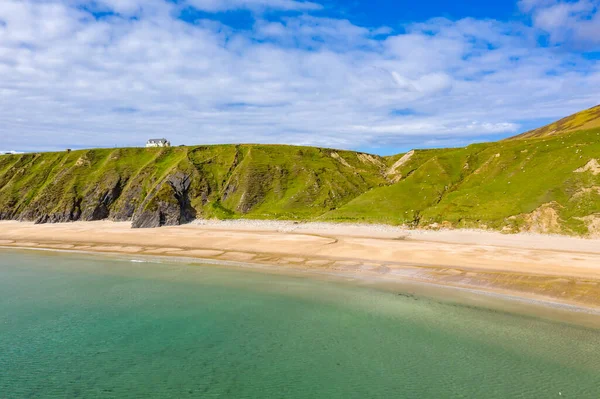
(575, 23)
(285, 5)
(75, 80)
(529, 5)
(306, 31)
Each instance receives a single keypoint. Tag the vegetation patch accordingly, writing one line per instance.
(547, 184)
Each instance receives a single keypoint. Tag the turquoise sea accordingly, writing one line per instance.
(83, 326)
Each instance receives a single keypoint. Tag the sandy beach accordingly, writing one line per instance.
(557, 268)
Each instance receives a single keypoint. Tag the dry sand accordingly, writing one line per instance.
(553, 267)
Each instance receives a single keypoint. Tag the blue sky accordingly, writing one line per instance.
(380, 76)
(393, 13)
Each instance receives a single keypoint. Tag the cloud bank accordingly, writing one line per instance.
(575, 23)
(116, 72)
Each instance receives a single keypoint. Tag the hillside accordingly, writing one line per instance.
(548, 184)
(168, 186)
(588, 119)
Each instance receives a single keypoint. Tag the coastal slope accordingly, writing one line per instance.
(168, 186)
(543, 183)
(584, 120)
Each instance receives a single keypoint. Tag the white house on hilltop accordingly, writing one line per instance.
(158, 143)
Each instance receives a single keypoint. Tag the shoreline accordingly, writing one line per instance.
(494, 300)
(538, 301)
(524, 267)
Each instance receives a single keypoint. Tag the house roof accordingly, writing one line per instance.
(152, 140)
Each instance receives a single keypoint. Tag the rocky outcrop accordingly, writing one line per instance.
(7, 215)
(129, 199)
(70, 213)
(543, 220)
(98, 203)
(169, 186)
(593, 224)
(491, 186)
(592, 166)
(392, 172)
(167, 205)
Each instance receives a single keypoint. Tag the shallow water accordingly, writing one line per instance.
(99, 327)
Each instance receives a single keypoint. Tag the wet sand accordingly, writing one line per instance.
(562, 269)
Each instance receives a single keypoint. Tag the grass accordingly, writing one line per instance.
(486, 185)
(491, 185)
(584, 120)
(228, 181)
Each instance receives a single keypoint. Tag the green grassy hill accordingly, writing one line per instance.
(165, 186)
(584, 120)
(547, 183)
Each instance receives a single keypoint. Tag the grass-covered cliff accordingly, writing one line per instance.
(548, 183)
(158, 186)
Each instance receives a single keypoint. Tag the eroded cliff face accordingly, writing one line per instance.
(98, 202)
(168, 205)
(547, 185)
(172, 186)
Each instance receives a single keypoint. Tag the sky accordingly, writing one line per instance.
(380, 76)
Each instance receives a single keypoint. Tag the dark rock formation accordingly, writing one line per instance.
(70, 213)
(168, 205)
(7, 215)
(131, 197)
(98, 203)
(170, 186)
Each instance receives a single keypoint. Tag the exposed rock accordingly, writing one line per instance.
(394, 168)
(229, 190)
(167, 205)
(7, 215)
(254, 187)
(83, 161)
(366, 158)
(337, 157)
(593, 224)
(585, 191)
(543, 220)
(250, 198)
(125, 206)
(70, 213)
(592, 166)
(131, 196)
(98, 202)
